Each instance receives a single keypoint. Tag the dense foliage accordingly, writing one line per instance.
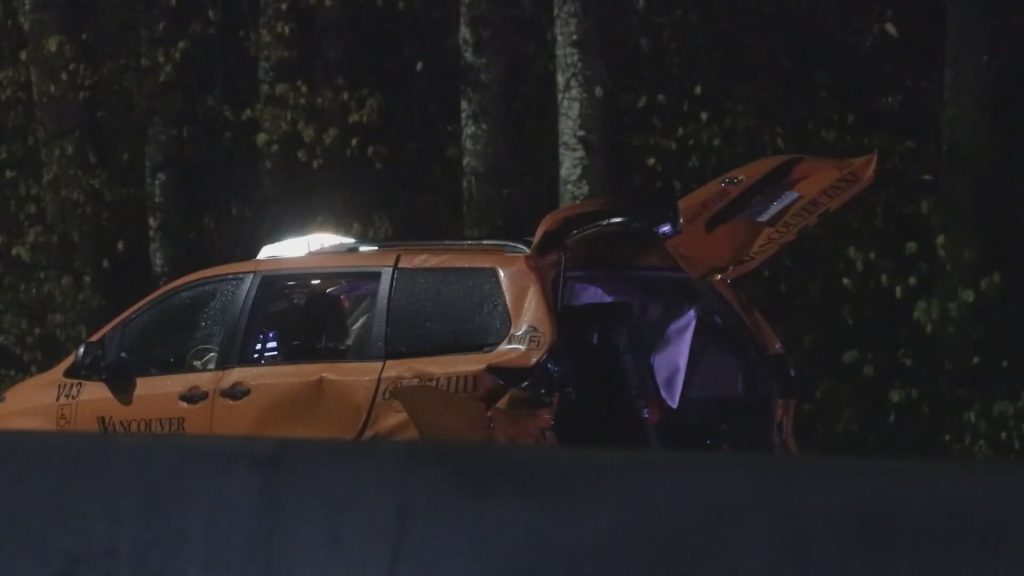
(167, 136)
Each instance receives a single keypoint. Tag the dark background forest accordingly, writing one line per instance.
(143, 140)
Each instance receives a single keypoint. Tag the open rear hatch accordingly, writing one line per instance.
(733, 224)
(730, 225)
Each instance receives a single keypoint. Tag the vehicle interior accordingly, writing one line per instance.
(651, 357)
(320, 319)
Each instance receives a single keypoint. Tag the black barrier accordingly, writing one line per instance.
(112, 506)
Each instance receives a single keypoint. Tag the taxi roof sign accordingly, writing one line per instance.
(301, 245)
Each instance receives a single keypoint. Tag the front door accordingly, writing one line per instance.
(169, 355)
(311, 356)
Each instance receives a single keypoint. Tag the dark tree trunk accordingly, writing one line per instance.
(63, 81)
(981, 193)
(487, 199)
(219, 92)
(239, 86)
(62, 85)
(1008, 205)
(968, 125)
(1010, 82)
(18, 161)
(165, 199)
(165, 163)
(19, 168)
(580, 74)
(280, 92)
(507, 156)
(349, 194)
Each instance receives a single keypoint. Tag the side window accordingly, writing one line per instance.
(446, 311)
(181, 332)
(314, 318)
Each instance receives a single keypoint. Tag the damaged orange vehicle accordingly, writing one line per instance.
(617, 325)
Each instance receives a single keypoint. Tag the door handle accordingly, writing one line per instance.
(194, 395)
(236, 391)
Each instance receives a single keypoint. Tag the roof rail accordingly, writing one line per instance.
(507, 246)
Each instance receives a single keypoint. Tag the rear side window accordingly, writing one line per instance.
(314, 318)
(446, 311)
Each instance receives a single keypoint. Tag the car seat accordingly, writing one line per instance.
(324, 330)
(606, 378)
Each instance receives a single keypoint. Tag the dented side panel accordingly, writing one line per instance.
(323, 400)
(464, 376)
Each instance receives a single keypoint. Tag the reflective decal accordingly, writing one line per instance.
(766, 209)
(528, 338)
(465, 384)
(169, 425)
(68, 391)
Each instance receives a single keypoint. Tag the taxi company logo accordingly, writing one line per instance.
(170, 425)
(529, 338)
(806, 214)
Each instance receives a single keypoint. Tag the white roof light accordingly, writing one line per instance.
(301, 245)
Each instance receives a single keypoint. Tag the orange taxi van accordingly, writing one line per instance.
(614, 325)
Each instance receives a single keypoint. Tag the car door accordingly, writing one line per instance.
(311, 355)
(453, 321)
(167, 357)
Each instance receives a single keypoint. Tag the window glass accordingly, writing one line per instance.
(313, 318)
(181, 332)
(446, 311)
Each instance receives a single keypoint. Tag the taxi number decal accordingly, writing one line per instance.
(68, 391)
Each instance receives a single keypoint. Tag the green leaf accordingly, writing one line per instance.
(967, 295)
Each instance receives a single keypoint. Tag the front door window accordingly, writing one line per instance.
(182, 332)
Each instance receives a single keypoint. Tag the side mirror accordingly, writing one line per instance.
(91, 363)
(88, 363)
